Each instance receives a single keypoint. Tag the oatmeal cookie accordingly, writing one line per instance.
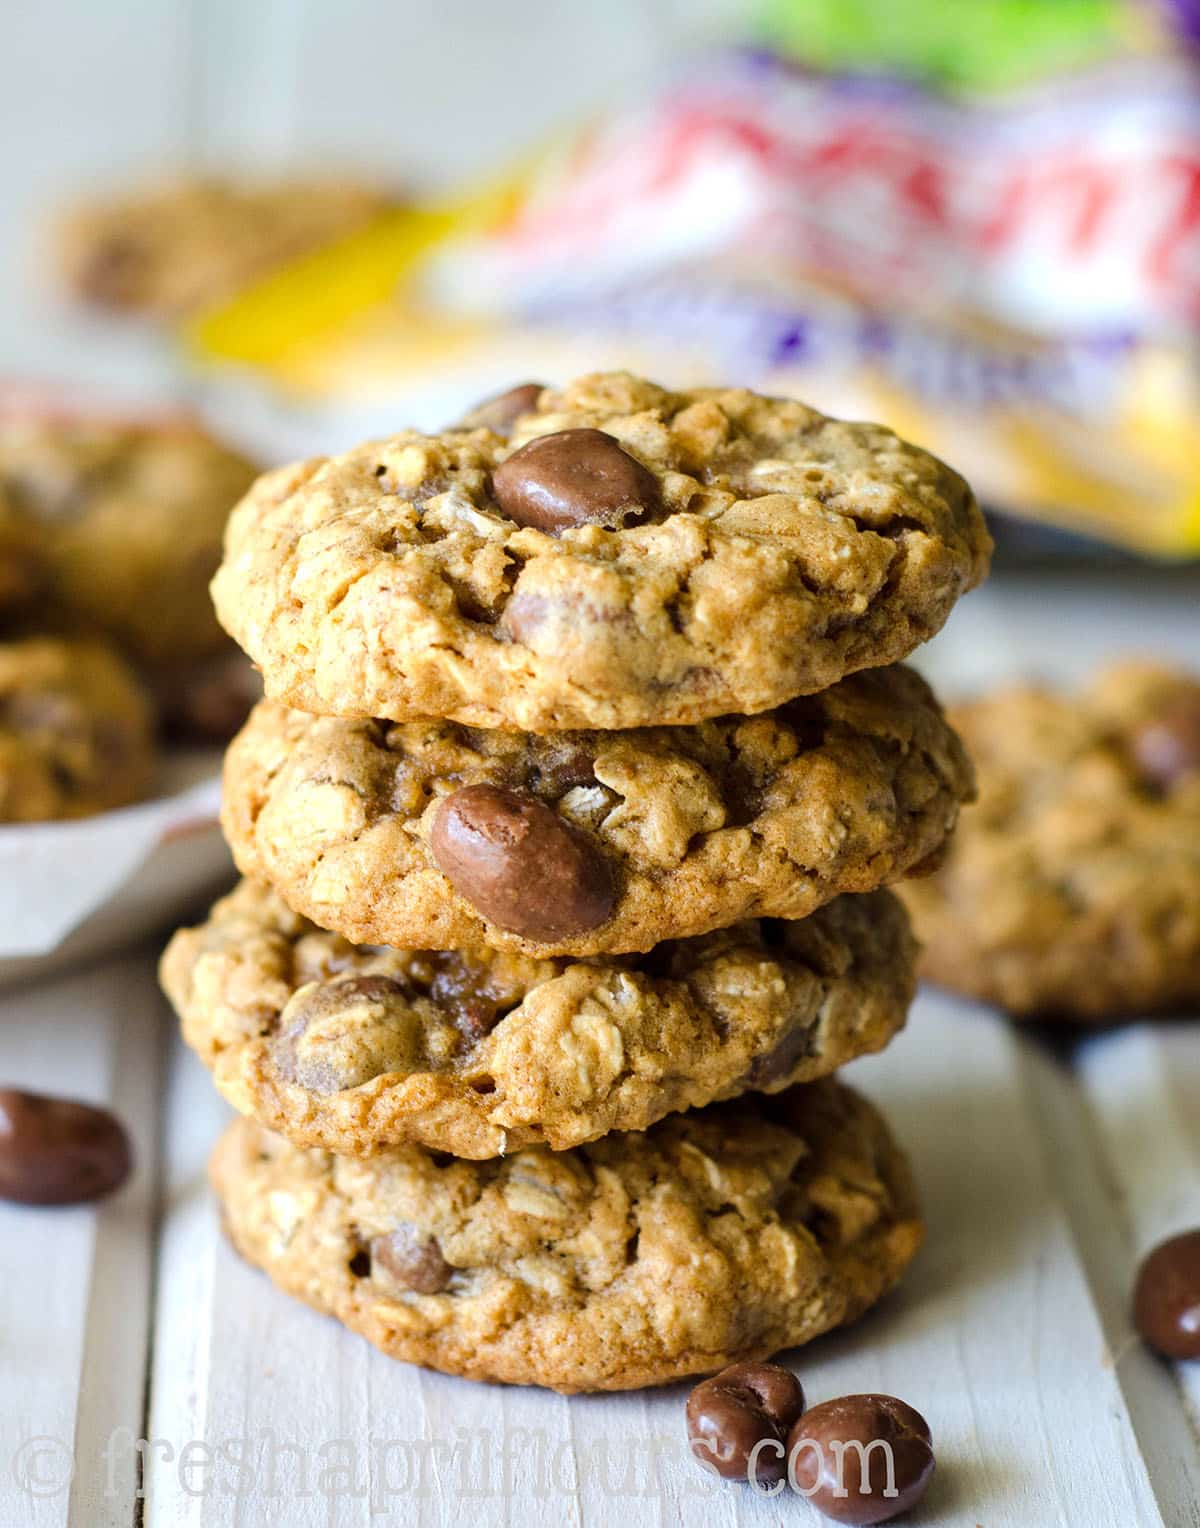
(478, 1053)
(22, 562)
(76, 731)
(434, 835)
(1073, 889)
(187, 244)
(625, 557)
(126, 517)
(730, 1232)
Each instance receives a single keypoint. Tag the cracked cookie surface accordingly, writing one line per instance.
(742, 550)
(695, 827)
(76, 731)
(1072, 890)
(478, 1053)
(730, 1232)
(123, 522)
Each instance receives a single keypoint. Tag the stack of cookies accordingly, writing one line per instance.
(564, 831)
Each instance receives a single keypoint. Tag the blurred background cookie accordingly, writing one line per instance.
(76, 730)
(1072, 890)
(127, 516)
(111, 526)
(170, 248)
(21, 563)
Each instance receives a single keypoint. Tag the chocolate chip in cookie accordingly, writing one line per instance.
(411, 1258)
(520, 865)
(572, 478)
(781, 1060)
(112, 273)
(501, 412)
(329, 1069)
(564, 763)
(457, 989)
(1167, 747)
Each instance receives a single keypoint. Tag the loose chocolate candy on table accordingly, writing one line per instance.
(501, 412)
(520, 865)
(574, 477)
(412, 1259)
(731, 1414)
(875, 1441)
(1166, 1298)
(57, 1151)
(1168, 747)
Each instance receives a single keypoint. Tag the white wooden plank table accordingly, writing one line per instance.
(75, 1284)
(1048, 1164)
